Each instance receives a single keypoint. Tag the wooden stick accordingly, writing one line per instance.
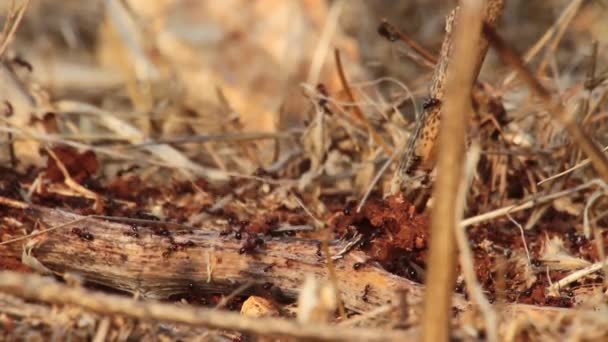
(442, 259)
(47, 290)
(39, 317)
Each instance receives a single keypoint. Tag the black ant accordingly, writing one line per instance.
(134, 232)
(23, 63)
(83, 234)
(163, 232)
(232, 220)
(323, 102)
(430, 102)
(386, 30)
(251, 244)
(366, 292)
(346, 211)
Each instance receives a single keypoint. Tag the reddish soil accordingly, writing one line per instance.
(392, 232)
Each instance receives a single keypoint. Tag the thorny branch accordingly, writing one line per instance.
(421, 148)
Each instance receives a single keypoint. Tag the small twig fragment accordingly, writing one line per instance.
(358, 113)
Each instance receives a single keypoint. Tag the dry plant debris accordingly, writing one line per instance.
(191, 170)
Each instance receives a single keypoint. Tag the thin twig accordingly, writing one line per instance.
(331, 270)
(572, 277)
(69, 181)
(522, 235)
(535, 49)
(390, 32)
(583, 163)
(223, 137)
(358, 113)
(382, 310)
(441, 273)
(561, 29)
(38, 288)
(527, 204)
(234, 293)
(466, 255)
(44, 231)
(376, 179)
(324, 43)
(11, 33)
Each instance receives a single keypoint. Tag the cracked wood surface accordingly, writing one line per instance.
(162, 262)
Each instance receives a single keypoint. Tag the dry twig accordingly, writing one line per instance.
(358, 113)
(442, 255)
(9, 30)
(466, 255)
(35, 287)
(576, 275)
(536, 200)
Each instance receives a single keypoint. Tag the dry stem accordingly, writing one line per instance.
(576, 275)
(466, 254)
(9, 33)
(38, 288)
(358, 113)
(527, 204)
(442, 258)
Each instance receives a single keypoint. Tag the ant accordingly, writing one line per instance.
(387, 31)
(323, 102)
(23, 63)
(251, 244)
(83, 234)
(430, 102)
(366, 292)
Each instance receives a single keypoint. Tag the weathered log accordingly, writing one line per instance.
(162, 261)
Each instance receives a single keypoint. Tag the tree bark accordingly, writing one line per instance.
(160, 262)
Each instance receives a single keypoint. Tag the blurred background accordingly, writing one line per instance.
(173, 68)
